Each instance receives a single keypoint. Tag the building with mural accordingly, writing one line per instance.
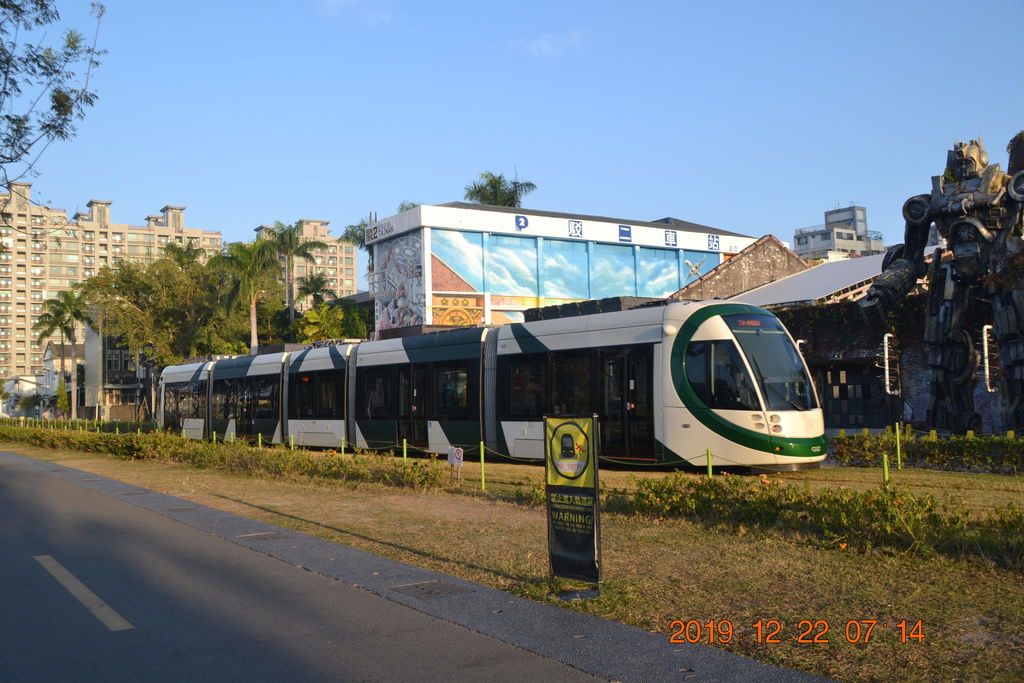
(470, 264)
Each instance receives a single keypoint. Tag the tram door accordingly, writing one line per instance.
(413, 393)
(627, 430)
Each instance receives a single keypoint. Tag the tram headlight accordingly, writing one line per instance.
(776, 429)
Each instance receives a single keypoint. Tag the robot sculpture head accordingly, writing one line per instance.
(966, 160)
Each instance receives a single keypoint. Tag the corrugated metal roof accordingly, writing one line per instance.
(815, 283)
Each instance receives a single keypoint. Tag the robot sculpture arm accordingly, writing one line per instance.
(977, 209)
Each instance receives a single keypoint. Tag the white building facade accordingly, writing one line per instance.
(470, 264)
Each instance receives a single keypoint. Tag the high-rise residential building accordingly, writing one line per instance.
(337, 263)
(45, 253)
(845, 232)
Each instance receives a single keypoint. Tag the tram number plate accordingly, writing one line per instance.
(455, 456)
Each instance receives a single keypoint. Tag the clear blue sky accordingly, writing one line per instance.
(747, 116)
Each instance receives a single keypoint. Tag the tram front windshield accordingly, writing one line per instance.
(774, 360)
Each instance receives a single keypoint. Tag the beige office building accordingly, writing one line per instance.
(47, 253)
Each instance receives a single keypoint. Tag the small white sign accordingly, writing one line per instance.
(455, 456)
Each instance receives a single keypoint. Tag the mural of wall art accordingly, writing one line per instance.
(400, 293)
(457, 309)
(458, 260)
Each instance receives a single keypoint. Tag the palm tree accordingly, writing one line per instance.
(289, 244)
(63, 313)
(316, 286)
(496, 190)
(248, 264)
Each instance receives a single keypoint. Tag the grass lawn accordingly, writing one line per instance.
(971, 613)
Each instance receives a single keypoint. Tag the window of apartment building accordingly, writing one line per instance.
(348, 283)
(37, 258)
(113, 361)
(348, 271)
(89, 235)
(56, 258)
(5, 294)
(71, 258)
(117, 236)
(212, 241)
(72, 270)
(348, 260)
(36, 282)
(37, 220)
(56, 282)
(5, 281)
(37, 308)
(88, 272)
(348, 250)
(37, 296)
(54, 270)
(5, 269)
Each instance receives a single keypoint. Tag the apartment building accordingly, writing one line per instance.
(45, 253)
(337, 263)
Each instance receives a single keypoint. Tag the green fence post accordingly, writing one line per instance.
(183, 432)
(214, 436)
(885, 469)
(405, 450)
(117, 429)
(343, 445)
(1010, 434)
(483, 481)
(899, 454)
(259, 439)
(709, 463)
(933, 435)
(291, 441)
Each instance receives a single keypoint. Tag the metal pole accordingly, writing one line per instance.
(709, 463)
(899, 454)
(483, 481)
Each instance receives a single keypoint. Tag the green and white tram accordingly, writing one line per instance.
(669, 383)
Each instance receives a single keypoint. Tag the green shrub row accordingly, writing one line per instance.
(111, 426)
(239, 457)
(835, 518)
(994, 454)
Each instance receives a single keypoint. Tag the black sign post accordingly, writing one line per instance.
(574, 525)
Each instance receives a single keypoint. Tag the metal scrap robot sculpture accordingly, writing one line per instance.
(977, 209)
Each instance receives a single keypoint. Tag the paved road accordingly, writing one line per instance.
(101, 580)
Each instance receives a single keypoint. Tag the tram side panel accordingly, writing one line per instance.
(604, 364)
(423, 391)
(315, 399)
(245, 398)
(183, 400)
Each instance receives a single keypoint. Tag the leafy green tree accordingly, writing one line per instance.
(496, 190)
(354, 324)
(252, 268)
(63, 401)
(63, 314)
(43, 88)
(318, 287)
(320, 323)
(167, 310)
(290, 245)
(29, 402)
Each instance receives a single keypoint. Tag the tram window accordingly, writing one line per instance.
(451, 391)
(775, 362)
(570, 382)
(264, 395)
(378, 393)
(526, 386)
(197, 399)
(226, 395)
(303, 392)
(326, 391)
(716, 372)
